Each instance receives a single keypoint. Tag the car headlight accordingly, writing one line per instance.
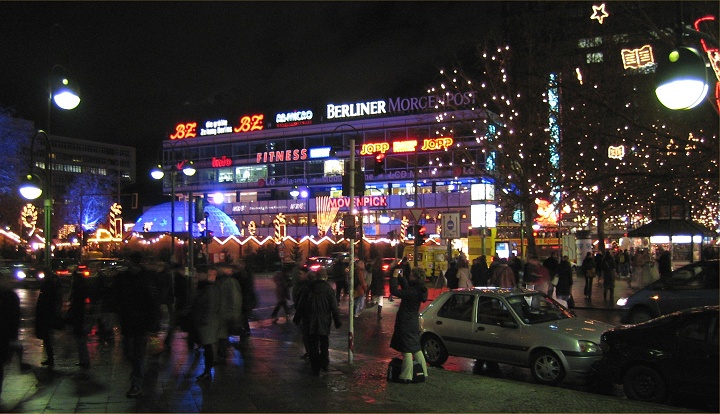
(20, 274)
(40, 275)
(588, 347)
(622, 301)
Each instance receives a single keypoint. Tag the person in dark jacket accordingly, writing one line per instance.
(9, 323)
(450, 276)
(249, 297)
(551, 264)
(406, 333)
(135, 293)
(79, 316)
(316, 309)
(563, 290)
(205, 311)
(608, 276)
(479, 271)
(664, 263)
(48, 314)
(588, 269)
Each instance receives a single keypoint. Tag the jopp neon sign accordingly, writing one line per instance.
(248, 123)
(428, 144)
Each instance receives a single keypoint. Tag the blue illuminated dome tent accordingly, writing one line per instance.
(157, 219)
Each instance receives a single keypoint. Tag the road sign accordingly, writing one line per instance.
(451, 225)
(416, 213)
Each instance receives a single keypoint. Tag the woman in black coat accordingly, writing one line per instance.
(406, 335)
(47, 314)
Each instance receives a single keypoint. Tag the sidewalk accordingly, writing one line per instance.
(267, 375)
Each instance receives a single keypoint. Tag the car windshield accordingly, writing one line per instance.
(535, 308)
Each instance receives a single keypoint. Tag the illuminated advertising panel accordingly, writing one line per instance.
(483, 215)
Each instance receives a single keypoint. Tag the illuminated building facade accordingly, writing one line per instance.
(249, 168)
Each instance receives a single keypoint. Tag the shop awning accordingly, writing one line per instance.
(672, 227)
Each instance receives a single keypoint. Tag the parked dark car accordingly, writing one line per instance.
(672, 354)
(692, 285)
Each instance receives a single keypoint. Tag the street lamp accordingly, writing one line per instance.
(158, 173)
(33, 187)
(682, 79)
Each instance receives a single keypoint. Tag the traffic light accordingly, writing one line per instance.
(199, 209)
(420, 235)
(379, 164)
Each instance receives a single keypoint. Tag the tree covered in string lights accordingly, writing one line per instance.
(511, 106)
(560, 105)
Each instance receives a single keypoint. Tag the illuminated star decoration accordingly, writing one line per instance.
(599, 13)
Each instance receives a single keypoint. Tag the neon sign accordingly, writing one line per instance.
(356, 109)
(295, 118)
(216, 128)
(599, 13)
(637, 58)
(434, 144)
(221, 162)
(372, 148)
(221, 126)
(616, 152)
(364, 201)
(713, 56)
(279, 156)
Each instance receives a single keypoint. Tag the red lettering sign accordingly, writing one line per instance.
(280, 156)
(364, 201)
(186, 130)
(250, 123)
(221, 162)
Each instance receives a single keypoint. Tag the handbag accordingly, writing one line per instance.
(570, 302)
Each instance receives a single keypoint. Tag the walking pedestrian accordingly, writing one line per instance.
(551, 264)
(588, 269)
(136, 295)
(316, 310)
(340, 275)
(406, 332)
(563, 290)
(451, 279)
(9, 323)
(664, 263)
(283, 282)
(478, 271)
(249, 297)
(79, 317)
(359, 288)
(205, 311)
(608, 272)
(377, 285)
(230, 310)
(503, 276)
(48, 314)
(463, 275)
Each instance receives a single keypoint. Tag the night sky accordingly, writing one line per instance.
(145, 66)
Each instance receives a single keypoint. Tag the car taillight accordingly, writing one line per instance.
(385, 267)
(314, 268)
(86, 273)
(62, 272)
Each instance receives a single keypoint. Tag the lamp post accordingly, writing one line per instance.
(158, 173)
(305, 194)
(351, 194)
(65, 95)
(33, 187)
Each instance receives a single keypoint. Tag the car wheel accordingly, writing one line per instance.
(645, 384)
(639, 315)
(546, 368)
(434, 350)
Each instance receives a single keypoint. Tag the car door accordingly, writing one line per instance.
(496, 333)
(454, 323)
(694, 361)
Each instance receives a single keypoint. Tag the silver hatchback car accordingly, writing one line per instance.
(510, 326)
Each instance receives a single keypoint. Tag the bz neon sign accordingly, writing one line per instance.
(248, 123)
